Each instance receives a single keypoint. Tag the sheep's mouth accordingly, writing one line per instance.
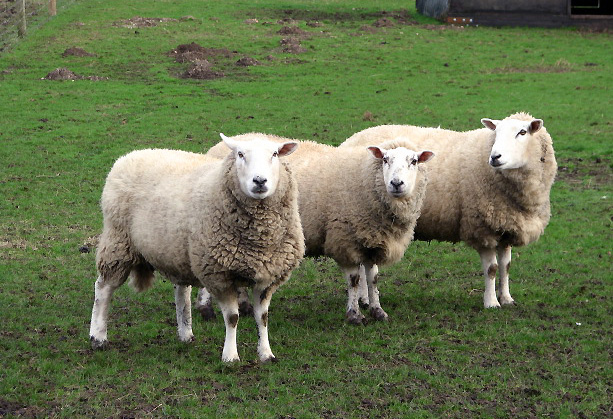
(396, 193)
(496, 163)
(259, 190)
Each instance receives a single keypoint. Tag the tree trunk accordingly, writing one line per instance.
(52, 8)
(21, 15)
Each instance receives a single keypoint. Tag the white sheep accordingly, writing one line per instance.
(222, 224)
(488, 187)
(358, 206)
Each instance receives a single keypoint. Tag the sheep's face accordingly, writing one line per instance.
(399, 167)
(257, 164)
(511, 149)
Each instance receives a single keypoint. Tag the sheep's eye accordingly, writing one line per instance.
(385, 160)
(240, 155)
(414, 162)
(522, 132)
(275, 154)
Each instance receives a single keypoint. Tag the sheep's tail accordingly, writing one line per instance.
(141, 277)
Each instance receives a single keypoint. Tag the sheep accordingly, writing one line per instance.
(222, 224)
(488, 188)
(358, 206)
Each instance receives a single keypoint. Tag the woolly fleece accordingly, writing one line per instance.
(345, 209)
(185, 215)
(467, 199)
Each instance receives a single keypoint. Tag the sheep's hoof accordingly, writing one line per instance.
(269, 360)
(507, 301)
(245, 308)
(355, 318)
(207, 312)
(98, 345)
(378, 314)
(188, 339)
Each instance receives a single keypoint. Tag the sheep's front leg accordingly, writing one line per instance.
(102, 300)
(372, 275)
(504, 260)
(490, 267)
(228, 303)
(204, 304)
(261, 302)
(183, 302)
(353, 314)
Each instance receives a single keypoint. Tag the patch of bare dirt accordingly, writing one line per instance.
(202, 70)
(194, 52)
(206, 62)
(292, 30)
(292, 46)
(595, 173)
(143, 22)
(65, 74)
(247, 62)
(77, 52)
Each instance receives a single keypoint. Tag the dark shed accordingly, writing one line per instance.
(543, 13)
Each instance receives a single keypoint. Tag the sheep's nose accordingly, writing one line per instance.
(494, 159)
(259, 181)
(397, 183)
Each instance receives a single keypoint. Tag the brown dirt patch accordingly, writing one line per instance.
(206, 62)
(194, 52)
(65, 74)
(292, 46)
(247, 62)
(578, 172)
(77, 52)
(292, 30)
(202, 70)
(143, 22)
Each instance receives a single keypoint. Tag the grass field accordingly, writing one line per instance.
(344, 65)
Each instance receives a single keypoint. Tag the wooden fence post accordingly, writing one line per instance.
(52, 8)
(21, 15)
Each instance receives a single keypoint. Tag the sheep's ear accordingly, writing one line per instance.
(376, 151)
(424, 156)
(228, 141)
(287, 148)
(535, 125)
(490, 123)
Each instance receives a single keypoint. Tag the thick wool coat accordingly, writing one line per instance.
(345, 209)
(185, 215)
(467, 199)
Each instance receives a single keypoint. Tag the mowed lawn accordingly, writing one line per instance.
(174, 74)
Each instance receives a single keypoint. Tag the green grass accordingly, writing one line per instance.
(441, 354)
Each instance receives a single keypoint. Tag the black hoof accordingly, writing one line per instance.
(98, 345)
(355, 318)
(378, 314)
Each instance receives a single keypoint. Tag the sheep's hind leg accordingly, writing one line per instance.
(363, 289)
(504, 260)
(353, 314)
(372, 275)
(261, 302)
(228, 303)
(204, 304)
(184, 312)
(490, 267)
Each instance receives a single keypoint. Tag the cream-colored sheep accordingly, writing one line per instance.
(488, 187)
(222, 224)
(358, 206)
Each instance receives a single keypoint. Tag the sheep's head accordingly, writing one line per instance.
(399, 166)
(257, 164)
(512, 146)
